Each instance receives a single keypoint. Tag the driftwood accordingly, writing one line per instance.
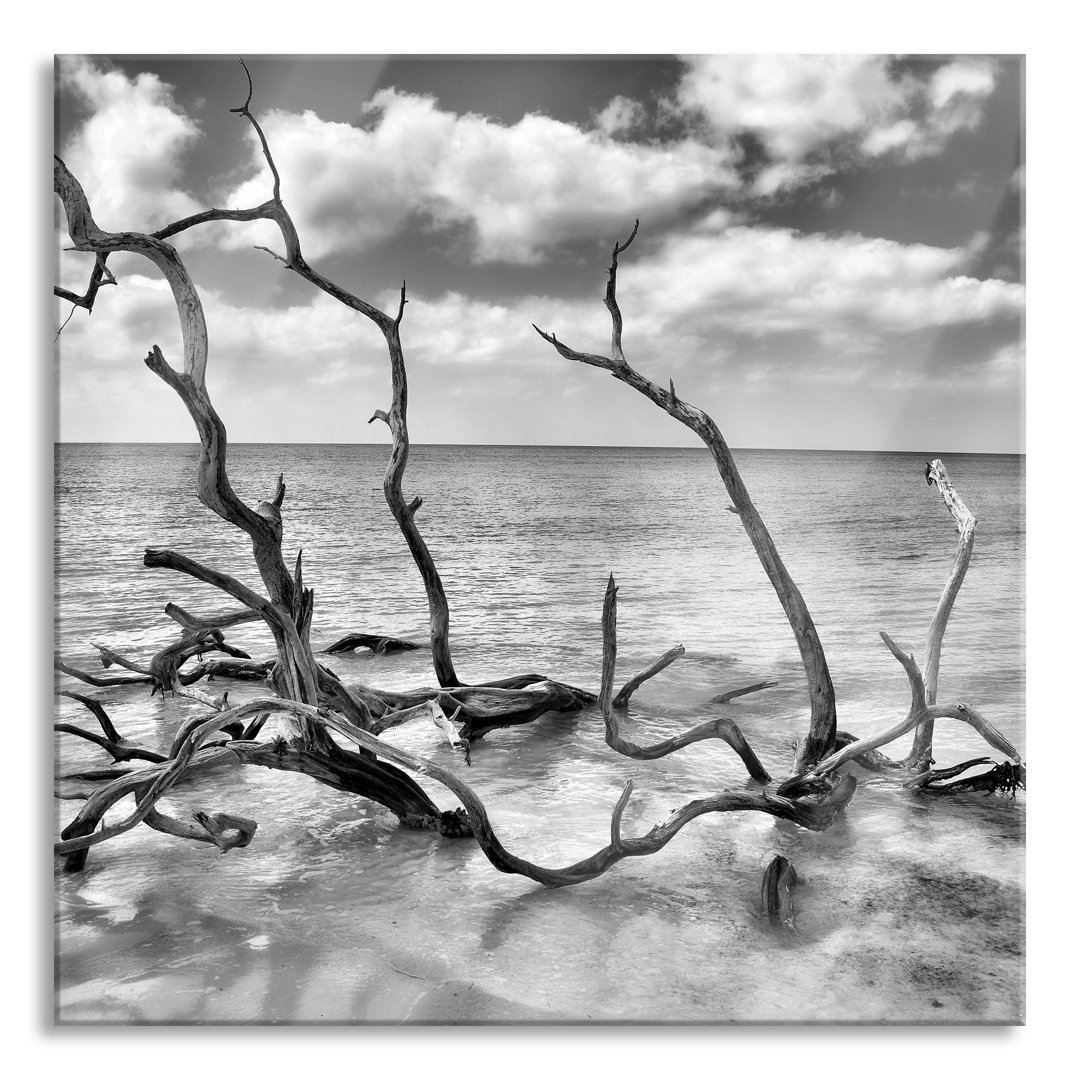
(622, 698)
(164, 670)
(720, 728)
(377, 643)
(730, 695)
(288, 607)
(919, 713)
(777, 893)
(112, 742)
(317, 707)
(922, 747)
(192, 756)
(819, 741)
(1007, 776)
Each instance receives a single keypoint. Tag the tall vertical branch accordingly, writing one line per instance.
(404, 513)
(822, 733)
(965, 520)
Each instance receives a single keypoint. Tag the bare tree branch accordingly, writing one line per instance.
(721, 728)
(819, 741)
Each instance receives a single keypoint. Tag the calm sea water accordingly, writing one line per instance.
(908, 908)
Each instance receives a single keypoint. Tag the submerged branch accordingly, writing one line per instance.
(622, 698)
(721, 728)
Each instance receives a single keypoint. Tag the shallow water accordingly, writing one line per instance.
(908, 908)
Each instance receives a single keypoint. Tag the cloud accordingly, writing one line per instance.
(831, 110)
(287, 345)
(700, 288)
(127, 154)
(520, 189)
(761, 280)
(620, 115)
(727, 311)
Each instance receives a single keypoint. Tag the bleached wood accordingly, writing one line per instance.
(965, 521)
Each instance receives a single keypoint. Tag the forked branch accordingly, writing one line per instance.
(819, 741)
(920, 712)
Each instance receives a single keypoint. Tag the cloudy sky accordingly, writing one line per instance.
(830, 252)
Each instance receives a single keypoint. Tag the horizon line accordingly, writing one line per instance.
(543, 446)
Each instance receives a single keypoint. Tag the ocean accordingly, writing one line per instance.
(909, 909)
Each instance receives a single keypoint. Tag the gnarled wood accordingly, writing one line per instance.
(192, 754)
(920, 712)
(721, 728)
(214, 488)
(819, 741)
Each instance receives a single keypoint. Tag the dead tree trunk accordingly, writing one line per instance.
(289, 607)
(819, 741)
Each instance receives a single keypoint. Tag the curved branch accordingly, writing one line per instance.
(721, 728)
(360, 775)
(809, 814)
(819, 741)
(920, 712)
(215, 490)
(194, 623)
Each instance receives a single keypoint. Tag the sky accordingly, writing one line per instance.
(830, 252)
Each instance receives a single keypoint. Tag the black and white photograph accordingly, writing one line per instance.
(539, 539)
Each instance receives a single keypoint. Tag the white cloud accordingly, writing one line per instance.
(287, 345)
(521, 188)
(620, 115)
(831, 107)
(965, 79)
(127, 153)
(767, 280)
(698, 286)
(794, 104)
